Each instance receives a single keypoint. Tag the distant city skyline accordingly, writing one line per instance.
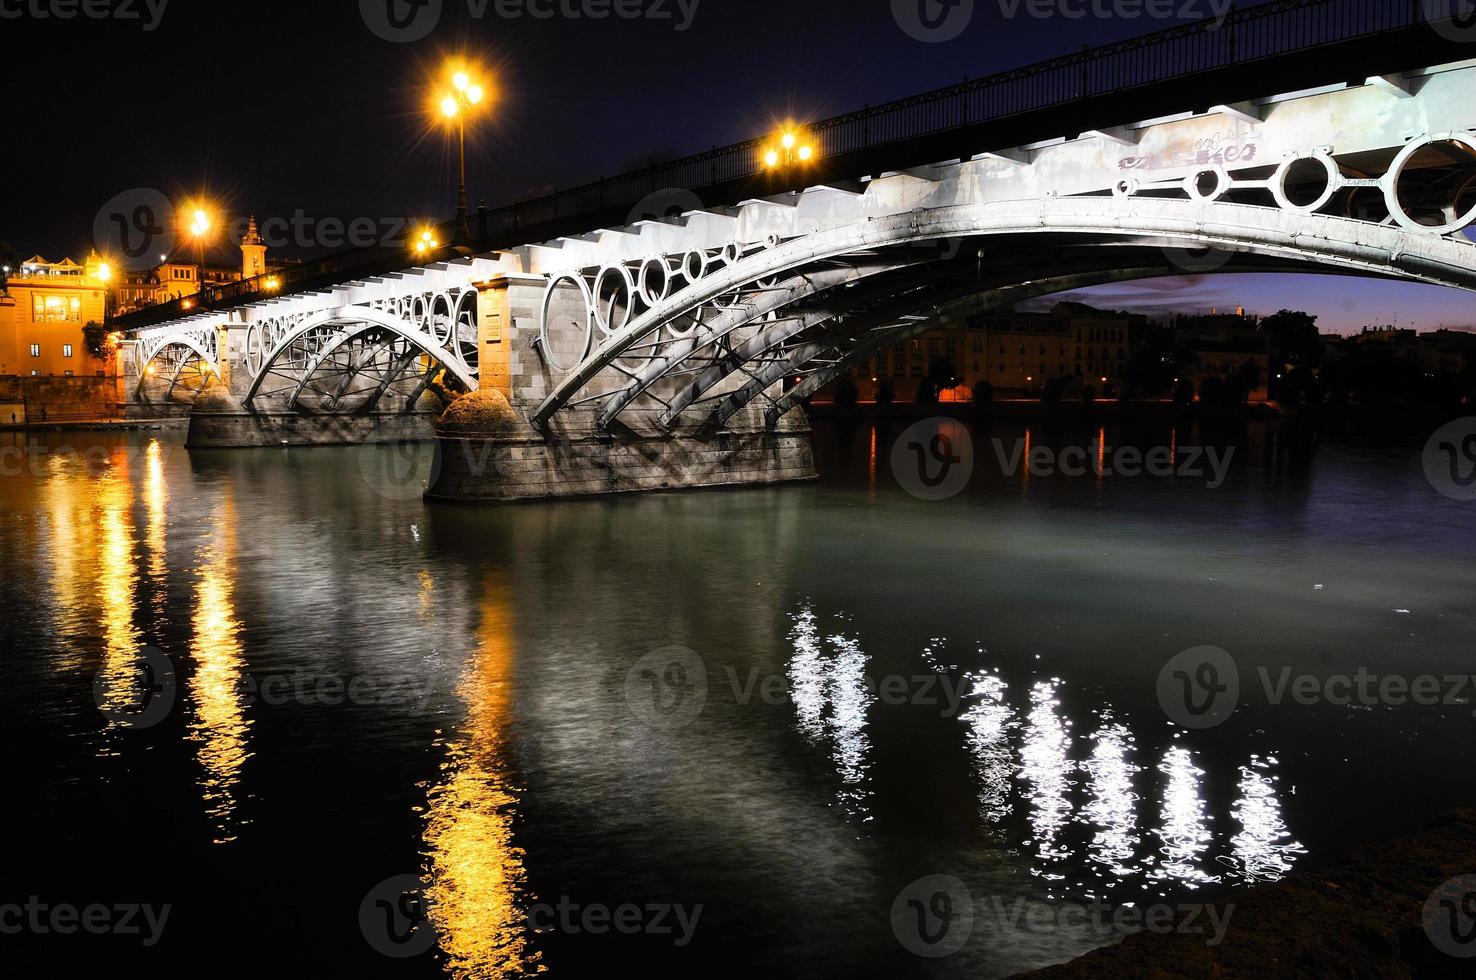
(1342, 304)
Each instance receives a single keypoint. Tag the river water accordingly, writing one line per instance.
(825, 729)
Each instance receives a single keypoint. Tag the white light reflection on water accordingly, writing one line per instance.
(1045, 768)
(990, 722)
(1113, 804)
(1264, 850)
(1184, 833)
(831, 702)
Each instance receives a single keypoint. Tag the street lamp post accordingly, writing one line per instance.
(466, 94)
(199, 227)
(787, 151)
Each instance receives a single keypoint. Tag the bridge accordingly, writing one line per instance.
(674, 347)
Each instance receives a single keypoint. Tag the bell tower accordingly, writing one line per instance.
(253, 252)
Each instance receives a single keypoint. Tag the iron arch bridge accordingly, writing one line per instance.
(727, 325)
(691, 318)
(350, 358)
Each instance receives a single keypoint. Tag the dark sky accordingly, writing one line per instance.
(276, 108)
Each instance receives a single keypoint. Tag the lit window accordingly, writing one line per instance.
(35, 350)
(55, 309)
(67, 351)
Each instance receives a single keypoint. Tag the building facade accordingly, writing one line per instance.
(43, 310)
(1071, 345)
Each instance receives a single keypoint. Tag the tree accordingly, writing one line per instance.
(885, 393)
(1251, 376)
(846, 394)
(98, 341)
(983, 392)
(940, 377)
(1184, 392)
(1157, 360)
(9, 259)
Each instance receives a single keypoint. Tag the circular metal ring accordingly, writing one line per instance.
(694, 265)
(1390, 183)
(642, 280)
(546, 346)
(626, 283)
(1222, 184)
(1334, 182)
(1126, 187)
(732, 253)
(442, 326)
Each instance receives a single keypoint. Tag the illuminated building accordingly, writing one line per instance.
(43, 309)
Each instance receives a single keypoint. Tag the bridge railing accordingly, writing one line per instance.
(1279, 29)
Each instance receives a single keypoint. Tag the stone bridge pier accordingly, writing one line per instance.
(488, 449)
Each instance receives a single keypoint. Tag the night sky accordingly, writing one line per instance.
(276, 108)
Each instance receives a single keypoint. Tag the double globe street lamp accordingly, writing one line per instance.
(466, 94)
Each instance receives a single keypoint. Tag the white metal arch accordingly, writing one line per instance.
(364, 317)
(1306, 238)
(200, 346)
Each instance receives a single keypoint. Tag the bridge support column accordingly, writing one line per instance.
(487, 449)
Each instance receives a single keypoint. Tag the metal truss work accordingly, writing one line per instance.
(349, 358)
(688, 320)
(170, 361)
